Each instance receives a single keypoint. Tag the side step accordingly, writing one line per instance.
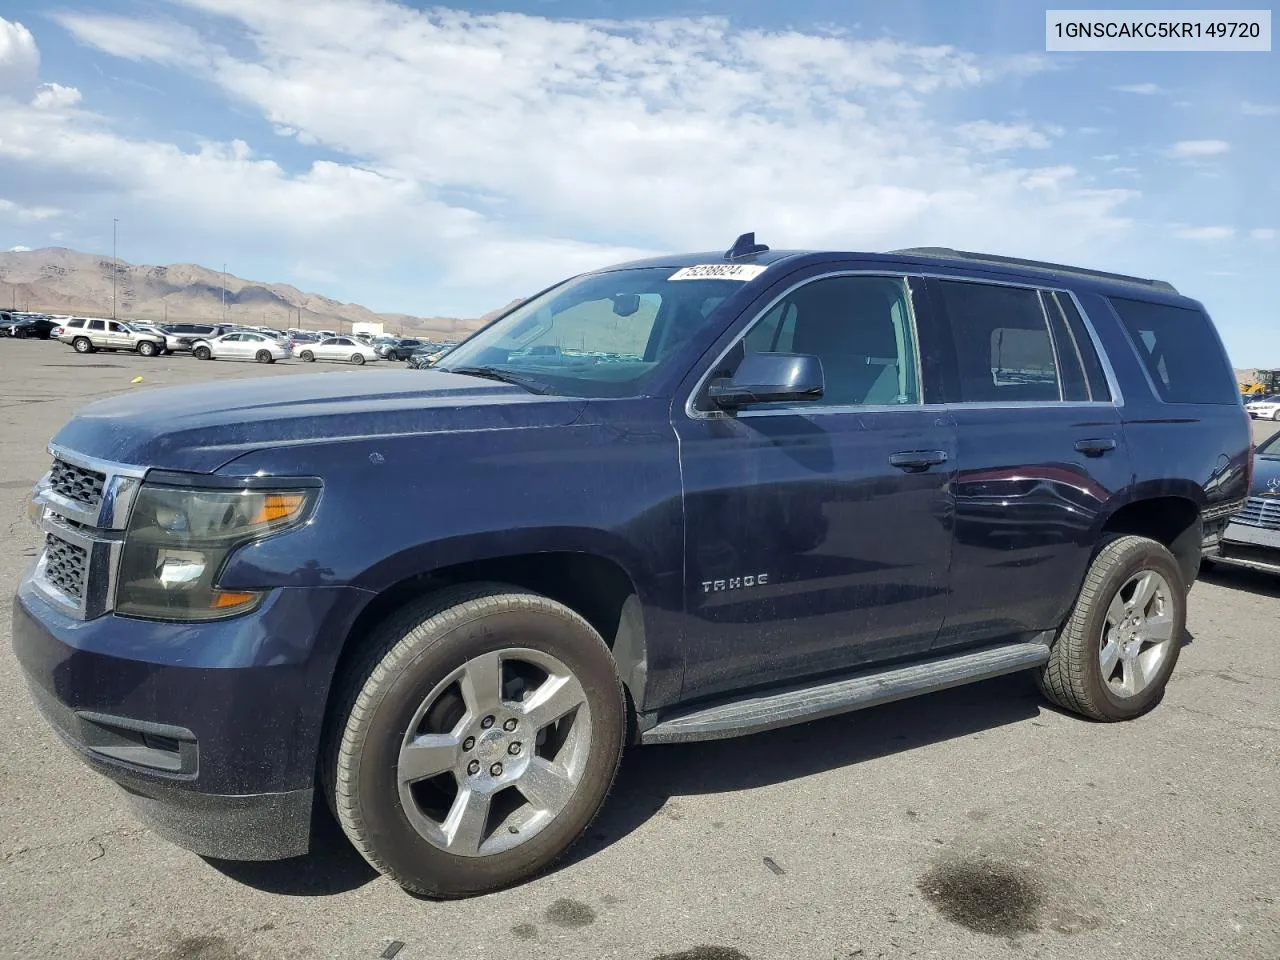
(766, 711)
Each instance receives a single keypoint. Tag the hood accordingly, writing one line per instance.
(1266, 475)
(200, 428)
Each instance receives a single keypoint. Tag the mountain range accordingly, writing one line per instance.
(57, 280)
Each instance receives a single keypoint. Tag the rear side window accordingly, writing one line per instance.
(1061, 305)
(1003, 347)
(75, 325)
(1178, 347)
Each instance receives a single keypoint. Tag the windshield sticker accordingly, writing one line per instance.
(719, 271)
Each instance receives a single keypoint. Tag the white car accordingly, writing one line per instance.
(348, 349)
(1268, 409)
(242, 345)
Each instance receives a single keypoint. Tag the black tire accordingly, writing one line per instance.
(202, 353)
(148, 349)
(263, 356)
(404, 659)
(357, 359)
(306, 356)
(1072, 679)
(82, 345)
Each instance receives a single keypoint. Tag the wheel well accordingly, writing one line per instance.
(1173, 521)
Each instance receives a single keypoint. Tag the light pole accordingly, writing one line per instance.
(224, 293)
(114, 267)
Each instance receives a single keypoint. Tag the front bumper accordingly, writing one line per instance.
(1244, 545)
(212, 730)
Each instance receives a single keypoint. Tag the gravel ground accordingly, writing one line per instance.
(972, 823)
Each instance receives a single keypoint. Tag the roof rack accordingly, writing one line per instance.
(1034, 264)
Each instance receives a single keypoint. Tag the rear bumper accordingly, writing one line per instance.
(212, 730)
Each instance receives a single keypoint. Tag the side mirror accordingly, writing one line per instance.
(769, 378)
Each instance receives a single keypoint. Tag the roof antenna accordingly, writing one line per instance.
(744, 246)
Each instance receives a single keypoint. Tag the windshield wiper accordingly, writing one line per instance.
(493, 373)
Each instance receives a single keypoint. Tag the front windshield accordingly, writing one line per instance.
(1270, 446)
(599, 335)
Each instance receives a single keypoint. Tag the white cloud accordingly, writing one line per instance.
(985, 135)
(1143, 89)
(19, 249)
(9, 210)
(484, 148)
(1262, 233)
(1204, 233)
(19, 58)
(1260, 109)
(55, 96)
(1199, 148)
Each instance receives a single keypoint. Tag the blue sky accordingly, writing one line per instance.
(441, 161)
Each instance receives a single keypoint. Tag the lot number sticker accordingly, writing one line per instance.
(719, 271)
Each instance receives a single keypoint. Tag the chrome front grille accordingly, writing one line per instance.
(82, 505)
(66, 566)
(79, 484)
(1260, 512)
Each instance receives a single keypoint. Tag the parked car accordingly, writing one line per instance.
(346, 349)
(242, 345)
(87, 334)
(426, 356)
(754, 513)
(1252, 537)
(27, 326)
(181, 337)
(398, 349)
(1264, 408)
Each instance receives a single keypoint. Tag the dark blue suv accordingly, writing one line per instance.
(686, 498)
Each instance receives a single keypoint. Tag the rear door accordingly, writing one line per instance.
(231, 347)
(1040, 451)
(812, 546)
(98, 333)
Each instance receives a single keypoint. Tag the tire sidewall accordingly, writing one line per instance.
(397, 697)
(1148, 555)
(307, 356)
(81, 345)
(147, 348)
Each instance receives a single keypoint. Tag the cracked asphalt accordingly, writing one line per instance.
(975, 823)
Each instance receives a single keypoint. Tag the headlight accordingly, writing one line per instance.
(179, 539)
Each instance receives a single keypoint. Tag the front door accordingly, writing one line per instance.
(817, 532)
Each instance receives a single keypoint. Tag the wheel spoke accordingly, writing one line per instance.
(1135, 677)
(1158, 629)
(1147, 589)
(555, 697)
(427, 756)
(464, 828)
(546, 785)
(1117, 611)
(1108, 658)
(481, 683)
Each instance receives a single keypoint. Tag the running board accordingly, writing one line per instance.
(766, 711)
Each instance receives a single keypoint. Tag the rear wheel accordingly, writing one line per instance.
(82, 345)
(1113, 657)
(202, 353)
(148, 349)
(306, 356)
(357, 358)
(476, 741)
(263, 356)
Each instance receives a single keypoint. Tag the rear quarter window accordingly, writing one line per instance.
(1180, 351)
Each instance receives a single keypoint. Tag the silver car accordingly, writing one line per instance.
(346, 349)
(87, 334)
(242, 345)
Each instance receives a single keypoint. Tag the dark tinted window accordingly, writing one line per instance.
(1097, 378)
(1002, 343)
(859, 327)
(1070, 366)
(1180, 351)
(97, 325)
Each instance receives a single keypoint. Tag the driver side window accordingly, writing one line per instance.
(859, 327)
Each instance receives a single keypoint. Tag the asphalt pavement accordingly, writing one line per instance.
(975, 823)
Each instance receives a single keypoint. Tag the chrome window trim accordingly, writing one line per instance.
(813, 408)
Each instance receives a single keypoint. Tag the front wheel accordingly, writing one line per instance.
(82, 345)
(1275, 414)
(1113, 657)
(306, 356)
(357, 359)
(202, 353)
(148, 349)
(476, 741)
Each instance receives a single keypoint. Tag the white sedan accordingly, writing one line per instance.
(347, 349)
(241, 346)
